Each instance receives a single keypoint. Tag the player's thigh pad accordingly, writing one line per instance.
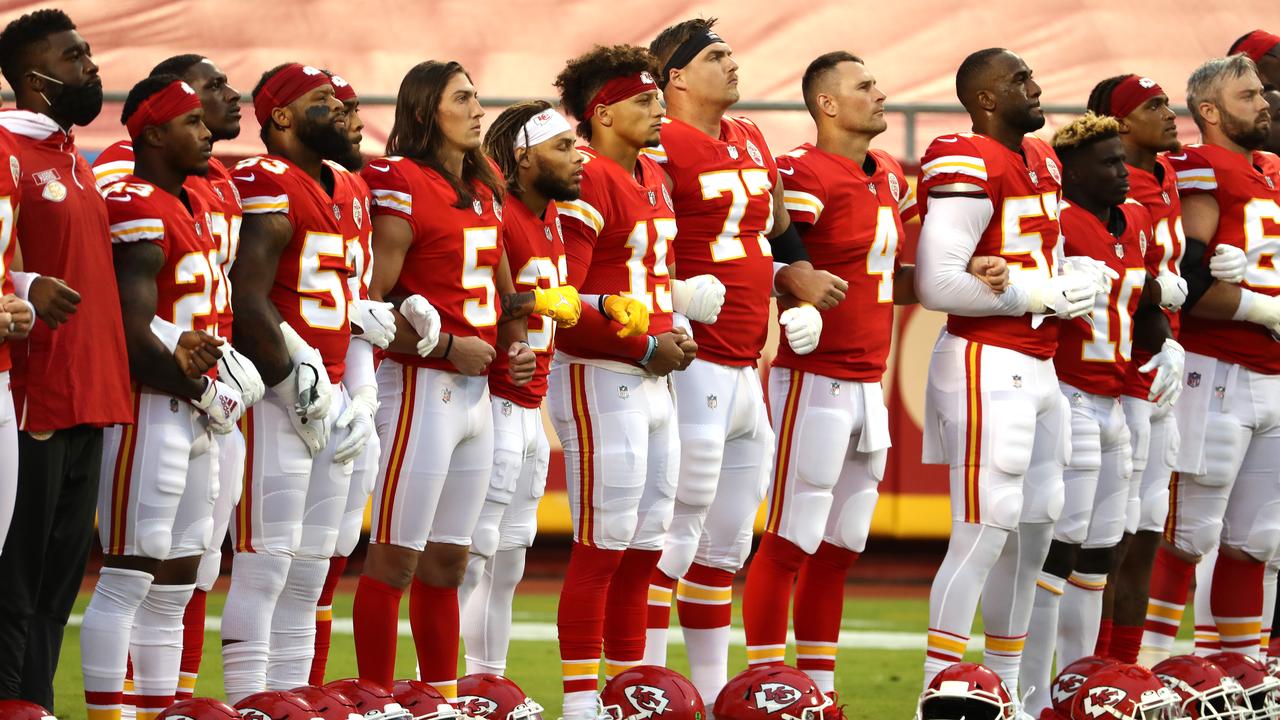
(268, 518)
(327, 491)
(1080, 477)
(662, 467)
(1153, 489)
(1115, 480)
(470, 467)
(520, 521)
(364, 474)
(231, 456)
(855, 498)
(706, 393)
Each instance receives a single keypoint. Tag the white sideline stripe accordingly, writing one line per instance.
(546, 632)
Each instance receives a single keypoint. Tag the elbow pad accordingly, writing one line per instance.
(1195, 271)
(789, 247)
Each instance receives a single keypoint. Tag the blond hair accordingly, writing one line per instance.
(1205, 83)
(1085, 130)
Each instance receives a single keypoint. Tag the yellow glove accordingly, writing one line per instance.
(632, 313)
(559, 303)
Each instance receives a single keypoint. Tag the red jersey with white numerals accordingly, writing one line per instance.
(138, 211)
(855, 227)
(1158, 193)
(454, 252)
(1248, 195)
(1095, 359)
(10, 171)
(310, 289)
(1024, 189)
(722, 190)
(616, 237)
(535, 252)
(357, 230)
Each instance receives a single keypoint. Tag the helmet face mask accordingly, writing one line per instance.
(966, 690)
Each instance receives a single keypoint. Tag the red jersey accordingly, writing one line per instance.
(1024, 189)
(141, 212)
(616, 236)
(722, 191)
(535, 251)
(855, 224)
(1158, 193)
(454, 252)
(310, 289)
(1248, 218)
(357, 231)
(1096, 359)
(8, 221)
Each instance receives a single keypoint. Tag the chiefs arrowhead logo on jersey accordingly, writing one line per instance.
(667, 197)
(754, 153)
(894, 188)
(772, 697)
(1053, 170)
(357, 213)
(14, 168)
(1100, 698)
(497, 210)
(474, 706)
(648, 699)
(1065, 686)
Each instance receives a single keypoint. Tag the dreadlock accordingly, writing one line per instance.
(500, 141)
(1100, 97)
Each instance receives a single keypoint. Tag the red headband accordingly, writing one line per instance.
(620, 88)
(290, 83)
(1131, 93)
(342, 89)
(176, 99)
(1256, 44)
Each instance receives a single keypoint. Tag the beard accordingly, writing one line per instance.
(352, 160)
(1248, 134)
(318, 134)
(553, 188)
(1027, 122)
(78, 104)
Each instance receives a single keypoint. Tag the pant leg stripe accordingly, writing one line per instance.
(786, 441)
(586, 450)
(399, 443)
(973, 441)
(124, 481)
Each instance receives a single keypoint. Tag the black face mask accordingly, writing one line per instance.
(78, 104)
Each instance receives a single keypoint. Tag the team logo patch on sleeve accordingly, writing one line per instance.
(773, 697)
(1053, 170)
(894, 189)
(648, 700)
(15, 168)
(754, 153)
(357, 213)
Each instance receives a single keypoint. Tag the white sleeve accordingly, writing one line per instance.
(359, 371)
(948, 238)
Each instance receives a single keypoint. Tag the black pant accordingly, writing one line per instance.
(44, 556)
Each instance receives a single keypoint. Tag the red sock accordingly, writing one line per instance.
(324, 620)
(819, 605)
(661, 588)
(1125, 643)
(625, 615)
(1102, 646)
(704, 598)
(433, 617)
(1236, 600)
(766, 601)
(580, 616)
(374, 617)
(1170, 580)
(192, 645)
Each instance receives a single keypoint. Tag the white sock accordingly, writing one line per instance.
(655, 647)
(486, 619)
(293, 626)
(1080, 616)
(708, 659)
(104, 632)
(1206, 628)
(156, 646)
(256, 582)
(1008, 596)
(953, 598)
(824, 679)
(1037, 660)
(580, 705)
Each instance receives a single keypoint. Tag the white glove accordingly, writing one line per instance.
(698, 298)
(314, 393)
(222, 404)
(239, 372)
(377, 324)
(314, 433)
(1261, 309)
(1228, 263)
(804, 326)
(1069, 294)
(1168, 364)
(425, 321)
(359, 418)
(1173, 290)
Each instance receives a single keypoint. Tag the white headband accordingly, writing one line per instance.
(541, 128)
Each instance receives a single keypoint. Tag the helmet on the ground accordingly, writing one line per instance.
(969, 691)
(1261, 689)
(1205, 690)
(422, 701)
(201, 708)
(372, 701)
(649, 691)
(1064, 687)
(771, 692)
(329, 703)
(23, 710)
(276, 705)
(494, 697)
(1125, 692)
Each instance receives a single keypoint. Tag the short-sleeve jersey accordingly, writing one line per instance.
(1158, 193)
(855, 228)
(1025, 189)
(10, 172)
(357, 230)
(310, 289)
(454, 252)
(1248, 195)
(616, 238)
(535, 252)
(1096, 358)
(722, 191)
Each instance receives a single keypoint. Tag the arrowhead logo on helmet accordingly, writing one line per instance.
(648, 699)
(475, 706)
(254, 714)
(1100, 698)
(772, 697)
(1066, 685)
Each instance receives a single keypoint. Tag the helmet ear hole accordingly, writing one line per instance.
(957, 708)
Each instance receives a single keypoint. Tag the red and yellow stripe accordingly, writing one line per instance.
(123, 482)
(586, 454)
(973, 430)
(399, 448)
(244, 509)
(1171, 520)
(786, 442)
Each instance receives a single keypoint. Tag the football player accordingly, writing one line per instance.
(1092, 361)
(155, 502)
(1224, 494)
(16, 317)
(728, 200)
(1263, 48)
(993, 408)
(830, 416)
(609, 396)
(291, 318)
(437, 232)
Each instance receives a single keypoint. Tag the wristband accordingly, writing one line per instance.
(648, 354)
(600, 305)
(22, 282)
(448, 347)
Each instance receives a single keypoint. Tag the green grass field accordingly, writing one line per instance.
(874, 683)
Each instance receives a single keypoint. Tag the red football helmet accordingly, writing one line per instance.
(486, 696)
(649, 691)
(23, 710)
(1205, 690)
(422, 701)
(372, 701)
(1261, 689)
(328, 703)
(276, 705)
(195, 709)
(771, 692)
(966, 690)
(1125, 692)
(1069, 680)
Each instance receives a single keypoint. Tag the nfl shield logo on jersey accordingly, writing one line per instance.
(1165, 197)
(1193, 379)
(547, 231)
(1119, 248)
(733, 152)
(337, 212)
(754, 153)
(653, 199)
(475, 205)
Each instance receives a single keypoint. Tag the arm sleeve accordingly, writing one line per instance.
(359, 369)
(948, 238)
